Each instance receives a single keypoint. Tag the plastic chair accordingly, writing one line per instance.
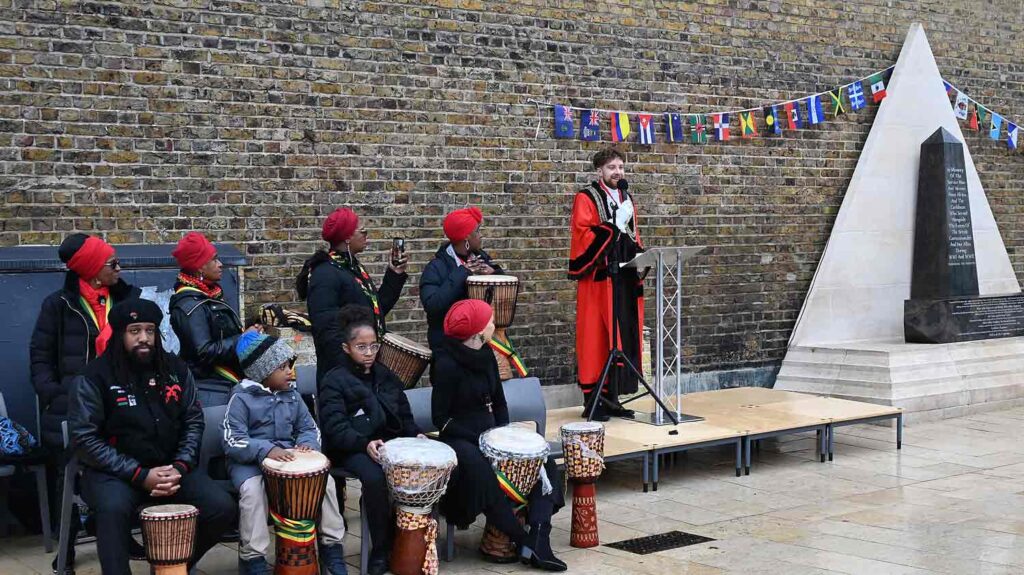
(526, 403)
(68, 497)
(36, 463)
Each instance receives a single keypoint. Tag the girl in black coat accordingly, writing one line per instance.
(332, 279)
(362, 405)
(467, 400)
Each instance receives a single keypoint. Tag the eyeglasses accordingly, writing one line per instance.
(367, 349)
(113, 264)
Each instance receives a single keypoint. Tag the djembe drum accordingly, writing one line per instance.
(518, 457)
(583, 450)
(406, 358)
(295, 493)
(501, 292)
(169, 533)
(417, 471)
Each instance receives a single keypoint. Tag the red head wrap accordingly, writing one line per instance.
(339, 226)
(460, 223)
(193, 251)
(467, 318)
(90, 258)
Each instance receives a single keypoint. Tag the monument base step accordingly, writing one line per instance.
(929, 381)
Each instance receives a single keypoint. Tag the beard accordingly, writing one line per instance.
(140, 358)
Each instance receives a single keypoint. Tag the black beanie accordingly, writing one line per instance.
(134, 310)
(70, 245)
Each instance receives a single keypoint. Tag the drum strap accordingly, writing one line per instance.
(504, 346)
(510, 490)
(299, 531)
(413, 521)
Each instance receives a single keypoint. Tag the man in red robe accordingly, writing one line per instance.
(603, 227)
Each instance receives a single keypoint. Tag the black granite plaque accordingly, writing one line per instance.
(963, 319)
(944, 262)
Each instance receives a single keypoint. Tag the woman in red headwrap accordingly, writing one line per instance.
(71, 331)
(467, 400)
(207, 327)
(332, 279)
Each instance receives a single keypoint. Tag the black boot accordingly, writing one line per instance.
(616, 409)
(536, 549)
(600, 413)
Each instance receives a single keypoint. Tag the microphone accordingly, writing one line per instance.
(622, 185)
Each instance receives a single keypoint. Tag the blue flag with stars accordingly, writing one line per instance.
(563, 122)
(674, 127)
(590, 125)
(855, 92)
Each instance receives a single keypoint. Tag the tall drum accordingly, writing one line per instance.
(169, 533)
(417, 471)
(583, 449)
(502, 292)
(518, 457)
(295, 493)
(406, 358)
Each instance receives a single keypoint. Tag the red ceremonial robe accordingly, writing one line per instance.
(593, 238)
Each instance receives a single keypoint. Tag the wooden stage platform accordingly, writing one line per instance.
(739, 417)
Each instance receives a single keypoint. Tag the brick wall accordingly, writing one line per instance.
(250, 121)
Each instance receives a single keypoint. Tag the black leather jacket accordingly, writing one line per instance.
(208, 330)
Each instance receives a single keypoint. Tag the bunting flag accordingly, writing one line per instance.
(877, 87)
(837, 101)
(793, 121)
(982, 115)
(972, 119)
(674, 127)
(960, 107)
(815, 115)
(997, 123)
(590, 125)
(620, 126)
(721, 124)
(1011, 135)
(949, 88)
(855, 92)
(698, 129)
(771, 121)
(748, 129)
(563, 122)
(646, 135)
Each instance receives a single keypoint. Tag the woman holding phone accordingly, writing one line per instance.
(331, 279)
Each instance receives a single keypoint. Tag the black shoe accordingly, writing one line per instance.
(619, 411)
(536, 549)
(377, 567)
(600, 413)
(69, 569)
(136, 552)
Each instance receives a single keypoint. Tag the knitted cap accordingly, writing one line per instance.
(259, 354)
(134, 310)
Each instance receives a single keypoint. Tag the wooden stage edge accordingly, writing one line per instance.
(737, 416)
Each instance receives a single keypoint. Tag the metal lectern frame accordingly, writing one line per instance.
(668, 265)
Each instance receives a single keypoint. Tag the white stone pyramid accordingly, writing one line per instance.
(864, 275)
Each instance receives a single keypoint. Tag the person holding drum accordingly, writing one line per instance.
(362, 405)
(332, 279)
(266, 418)
(136, 425)
(467, 401)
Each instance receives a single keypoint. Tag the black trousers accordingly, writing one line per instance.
(116, 504)
(376, 505)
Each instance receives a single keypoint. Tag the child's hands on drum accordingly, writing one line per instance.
(373, 449)
(278, 454)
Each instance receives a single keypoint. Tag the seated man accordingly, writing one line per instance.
(137, 427)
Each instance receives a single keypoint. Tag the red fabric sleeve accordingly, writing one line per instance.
(590, 238)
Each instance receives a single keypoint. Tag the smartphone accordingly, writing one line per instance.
(397, 249)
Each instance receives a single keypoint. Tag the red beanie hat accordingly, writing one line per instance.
(193, 251)
(467, 318)
(90, 258)
(339, 226)
(460, 223)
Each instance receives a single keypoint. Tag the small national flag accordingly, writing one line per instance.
(1011, 135)
(590, 125)
(997, 123)
(815, 115)
(721, 124)
(960, 107)
(698, 128)
(837, 101)
(563, 122)
(793, 121)
(771, 120)
(855, 92)
(982, 115)
(620, 126)
(646, 129)
(972, 119)
(748, 128)
(949, 88)
(877, 87)
(674, 127)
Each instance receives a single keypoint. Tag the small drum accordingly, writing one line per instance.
(169, 533)
(499, 291)
(583, 446)
(405, 357)
(417, 471)
(518, 457)
(295, 493)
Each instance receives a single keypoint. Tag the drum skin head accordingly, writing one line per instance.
(403, 342)
(582, 427)
(514, 440)
(171, 510)
(305, 463)
(493, 279)
(417, 451)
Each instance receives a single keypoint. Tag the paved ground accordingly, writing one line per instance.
(951, 502)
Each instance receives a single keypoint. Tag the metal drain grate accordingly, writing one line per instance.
(660, 542)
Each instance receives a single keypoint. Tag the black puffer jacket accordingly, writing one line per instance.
(332, 286)
(358, 408)
(208, 330)
(63, 342)
(443, 283)
(127, 428)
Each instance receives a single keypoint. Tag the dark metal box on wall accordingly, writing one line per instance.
(30, 273)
